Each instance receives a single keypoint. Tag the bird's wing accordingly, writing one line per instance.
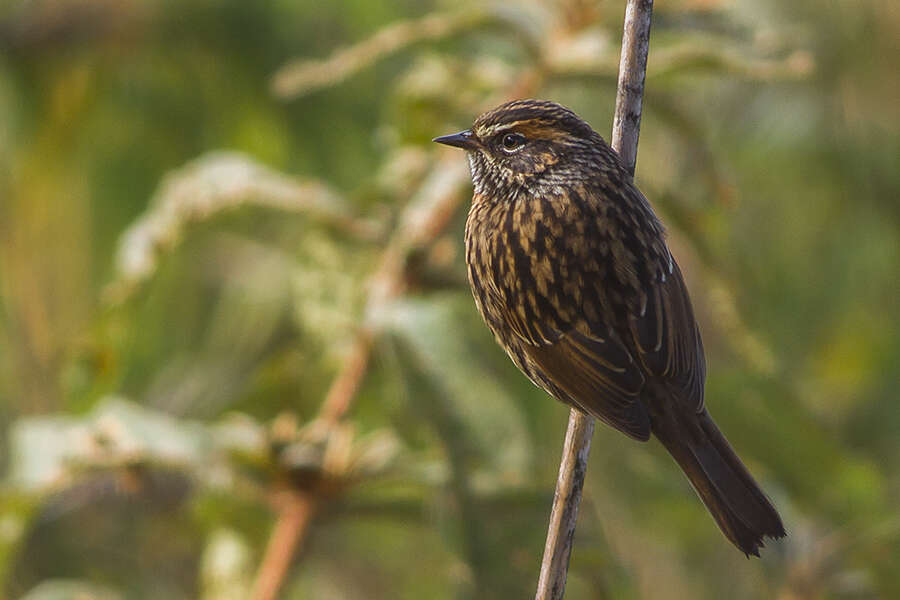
(603, 372)
(666, 339)
(596, 373)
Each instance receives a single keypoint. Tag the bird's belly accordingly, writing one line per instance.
(500, 302)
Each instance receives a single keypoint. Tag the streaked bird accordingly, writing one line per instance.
(571, 272)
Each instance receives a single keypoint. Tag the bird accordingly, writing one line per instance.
(570, 270)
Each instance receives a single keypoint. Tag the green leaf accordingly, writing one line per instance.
(49, 451)
(436, 333)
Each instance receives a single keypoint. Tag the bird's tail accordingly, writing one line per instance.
(741, 509)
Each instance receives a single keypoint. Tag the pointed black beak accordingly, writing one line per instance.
(464, 139)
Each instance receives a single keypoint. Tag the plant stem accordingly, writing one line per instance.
(423, 221)
(295, 511)
(632, 69)
(572, 468)
(561, 533)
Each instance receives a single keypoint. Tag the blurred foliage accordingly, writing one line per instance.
(210, 211)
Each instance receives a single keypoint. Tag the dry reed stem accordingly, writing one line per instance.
(572, 468)
(295, 512)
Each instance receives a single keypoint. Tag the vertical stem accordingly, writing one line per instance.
(561, 533)
(295, 511)
(344, 387)
(572, 468)
(632, 69)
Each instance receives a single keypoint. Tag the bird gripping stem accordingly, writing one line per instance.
(572, 468)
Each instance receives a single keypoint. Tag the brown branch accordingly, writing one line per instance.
(572, 468)
(561, 533)
(632, 69)
(295, 511)
(423, 220)
(345, 385)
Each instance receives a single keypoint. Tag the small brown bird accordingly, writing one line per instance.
(570, 270)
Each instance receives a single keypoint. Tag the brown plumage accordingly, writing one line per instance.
(569, 268)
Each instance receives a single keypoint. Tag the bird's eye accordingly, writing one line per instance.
(513, 141)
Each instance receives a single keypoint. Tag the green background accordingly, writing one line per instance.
(198, 218)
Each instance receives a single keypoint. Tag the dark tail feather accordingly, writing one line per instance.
(741, 509)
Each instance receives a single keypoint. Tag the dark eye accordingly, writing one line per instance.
(513, 141)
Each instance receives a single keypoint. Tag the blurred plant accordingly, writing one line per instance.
(213, 184)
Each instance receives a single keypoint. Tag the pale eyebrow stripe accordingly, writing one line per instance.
(504, 126)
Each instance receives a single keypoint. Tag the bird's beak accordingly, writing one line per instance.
(464, 139)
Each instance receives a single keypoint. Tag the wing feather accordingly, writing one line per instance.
(599, 376)
(667, 340)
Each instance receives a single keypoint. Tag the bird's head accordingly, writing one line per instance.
(525, 144)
